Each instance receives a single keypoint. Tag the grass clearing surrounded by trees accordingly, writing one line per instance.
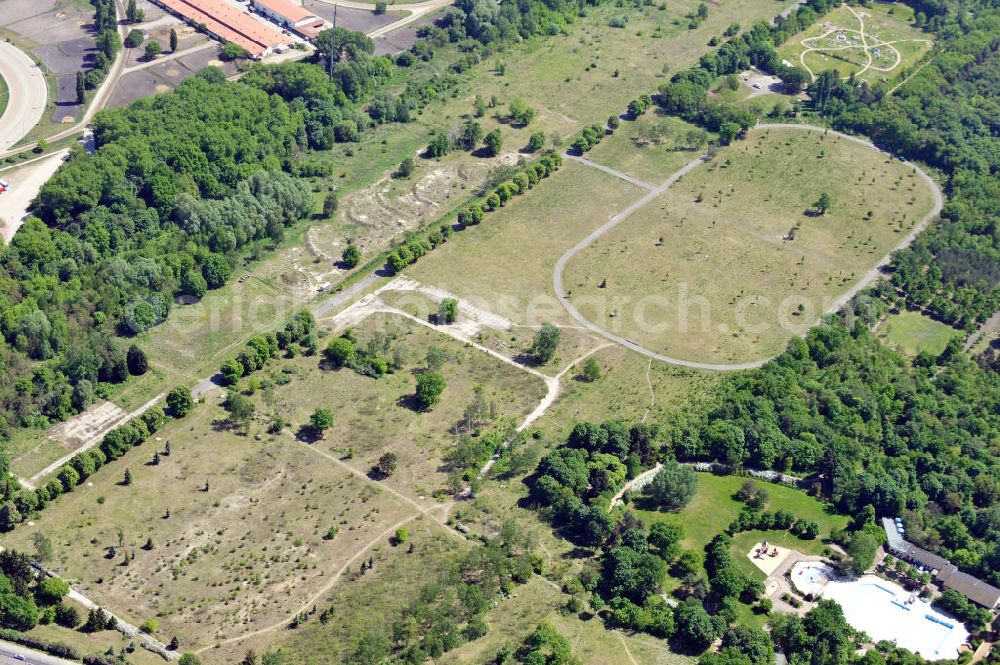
(913, 332)
(715, 505)
(735, 258)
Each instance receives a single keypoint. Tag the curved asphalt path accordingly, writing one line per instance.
(28, 94)
(100, 99)
(863, 283)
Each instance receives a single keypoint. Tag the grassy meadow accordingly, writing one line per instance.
(734, 258)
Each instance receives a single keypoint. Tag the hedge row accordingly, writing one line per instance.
(519, 183)
(779, 520)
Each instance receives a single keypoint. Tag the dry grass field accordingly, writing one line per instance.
(237, 522)
(236, 528)
(505, 264)
(511, 340)
(361, 602)
(374, 416)
(734, 259)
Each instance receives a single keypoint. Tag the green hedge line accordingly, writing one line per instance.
(519, 184)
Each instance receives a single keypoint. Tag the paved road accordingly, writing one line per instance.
(990, 324)
(866, 280)
(170, 56)
(417, 11)
(100, 99)
(8, 650)
(24, 185)
(618, 174)
(28, 94)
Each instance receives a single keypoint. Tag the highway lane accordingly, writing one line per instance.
(28, 94)
(9, 650)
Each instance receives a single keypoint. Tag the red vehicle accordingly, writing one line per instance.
(4, 186)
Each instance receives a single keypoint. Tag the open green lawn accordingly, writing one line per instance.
(714, 506)
(912, 332)
(733, 260)
(4, 95)
(888, 50)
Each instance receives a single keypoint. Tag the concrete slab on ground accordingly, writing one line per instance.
(767, 557)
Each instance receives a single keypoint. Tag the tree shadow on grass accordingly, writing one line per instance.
(410, 402)
(308, 434)
(376, 473)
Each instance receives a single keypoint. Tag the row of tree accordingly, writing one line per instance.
(522, 181)
(22, 503)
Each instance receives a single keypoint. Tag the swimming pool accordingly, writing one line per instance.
(885, 611)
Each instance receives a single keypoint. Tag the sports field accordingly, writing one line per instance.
(735, 258)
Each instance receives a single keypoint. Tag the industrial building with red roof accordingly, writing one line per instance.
(229, 24)
(290, 15)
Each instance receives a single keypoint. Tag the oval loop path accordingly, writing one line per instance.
(867, 279)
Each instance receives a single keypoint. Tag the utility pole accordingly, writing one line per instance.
(330, 67)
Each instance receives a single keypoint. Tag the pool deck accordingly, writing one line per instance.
(777, 584)
(884, 610)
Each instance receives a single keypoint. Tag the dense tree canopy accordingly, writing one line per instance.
(910, 440)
